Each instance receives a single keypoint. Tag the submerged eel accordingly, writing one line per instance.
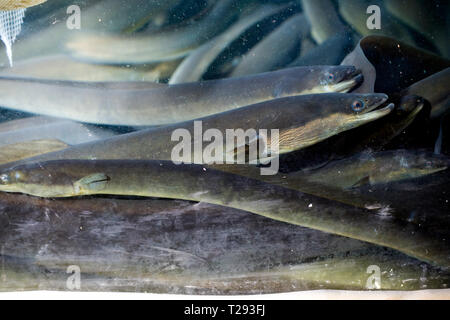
(202, 255)
(159, 46)
(337, 180)
(355, 13)
(267, 56)
(340, 273)
(106, 16)
(324, 19)
(378, 168)
(23, 150)
(60, 67)
(197, 63)
(145, 104)
(163, 179)
(398, 276)
(44, 128)
(435, 89)
(322, 116)
(301, 121)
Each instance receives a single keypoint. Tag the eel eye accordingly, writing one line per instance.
(4, 179)
(329, 76)
(357, 105)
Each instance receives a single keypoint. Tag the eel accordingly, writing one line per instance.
(424, 201)
(331, 52)
(432, 24)
(367, 272)
(106, 16)
(197, 63)
(301, 121)
(183, 247)
(170, 238)
(378, 168)
(163, 179)
(44, 128)
(373, 136)
(355, 13)
(339, 179)
(324, 19)
(380, 133)
(145, 104)
(23, 150)
(435, 90)
(350, 273)
(61, 67)
(155, 46)
(376, 54)
(267, 55)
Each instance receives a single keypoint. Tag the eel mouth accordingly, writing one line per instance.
(372, 115)
(416, 111)
(377, 100)
(349, 82)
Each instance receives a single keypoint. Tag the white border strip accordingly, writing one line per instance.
(441, 294)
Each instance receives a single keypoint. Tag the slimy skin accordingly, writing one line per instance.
(23, 150)
(153, 46)
(324, 279)
(373, 136)
(267, 54)
(146, 104)
(151, 240)
(347, 273)
(104, 16)
(354, 12)
(330, 52)
(422, 201)
(376, 54)
(435, 89)
(183, 247)
(197, 63)
(45, 128)
(432, 24)
(301, 121)
(61, 67)
(321, 116)
(59, 179)
(324, 19)
(378, 168)
(335, 179)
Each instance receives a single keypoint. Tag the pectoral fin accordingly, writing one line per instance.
(438, 144)
(363, 182)
(91, 184)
